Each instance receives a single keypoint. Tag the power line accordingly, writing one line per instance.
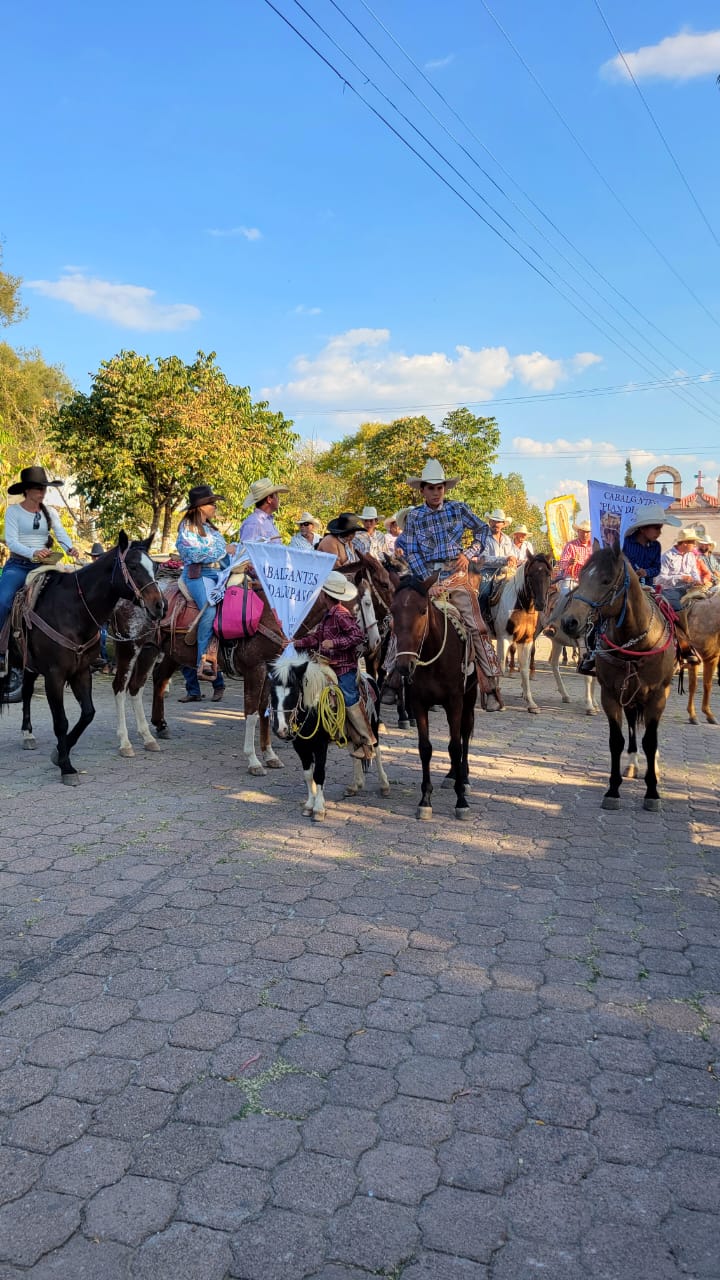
(685, 398)
(658, 130)
(581, 147)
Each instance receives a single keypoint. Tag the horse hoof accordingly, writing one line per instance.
(403, 724)
(306, 811)
(610, 802)
(630, 772)
(590, 711)
(54, 757)
(29, 744)
(447, 783)
(151, 746)
(652, 805)
(462, 814)
(423, 813)
(711, 719)
(127, 752)
(163, 734)
(534, 711)
(385, 791)
(693, 720)
(350, 791)
(257, 771)
(318, 815)
(70, 779)
(274, 764)
(412, 723)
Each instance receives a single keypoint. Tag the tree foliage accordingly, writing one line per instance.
(628, 482)
(150, 430)
(11, 306)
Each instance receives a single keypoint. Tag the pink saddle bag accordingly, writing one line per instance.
(238, 614)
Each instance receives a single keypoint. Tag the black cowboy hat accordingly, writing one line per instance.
(34, 478)
(345, 523)
(97, 549)
(202, 495)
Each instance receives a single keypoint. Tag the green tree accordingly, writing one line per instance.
(628, 482)
(510, 494)
(11, 306)
(148, 431)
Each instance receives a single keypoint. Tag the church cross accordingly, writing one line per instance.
(698, 477)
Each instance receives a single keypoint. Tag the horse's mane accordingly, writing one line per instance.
(413, 583)
(315, 675)
(284, 666)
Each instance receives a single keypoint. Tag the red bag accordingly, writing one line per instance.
(238, 614)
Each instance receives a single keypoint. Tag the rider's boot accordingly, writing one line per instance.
(586, 665)
(686, 655)
(360, 732)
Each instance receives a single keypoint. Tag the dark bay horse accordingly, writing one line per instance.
(635, 660)
(517, 615)
(431, 657)
(60, 636)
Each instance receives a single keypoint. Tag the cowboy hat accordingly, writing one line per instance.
(344, 523)
(710, 543)
(97, 549)
(402, 515)
(261, 489)
(338, 586)
(202, 496)
(497, 515)
(369, 513)
(390, 520)
(433, 473)
(652, 514)
(582, 526)
(306, 518)
(34, 478)
(522, 528)
(687, 535)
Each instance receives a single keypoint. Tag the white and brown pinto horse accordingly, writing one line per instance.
(517, 614)
(635, 660)
(552, 629)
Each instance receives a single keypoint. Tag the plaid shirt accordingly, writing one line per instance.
(573, 557)
(432, 536)
(346, 635)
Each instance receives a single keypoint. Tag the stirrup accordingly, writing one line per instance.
(586, 665)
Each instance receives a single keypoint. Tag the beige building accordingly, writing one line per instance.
(698, 510)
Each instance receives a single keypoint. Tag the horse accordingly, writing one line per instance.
(635, 660)
(304, 701)
(703, 624)
(552, 629)
(517, 613)
(161, 651)
(431, 656)
(60, 635)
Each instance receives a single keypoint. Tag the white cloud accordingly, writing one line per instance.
(358, 368)
(437, 64)
(132, 306)
(680, 57)
(247, 233)
(302, 310)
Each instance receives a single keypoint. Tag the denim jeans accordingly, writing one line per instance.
(198, 588)
(192, 684)
(12, 579)
(349, 688)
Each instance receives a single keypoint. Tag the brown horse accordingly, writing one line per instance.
(431, 658)
(703, 623)
(161, 652)
(635, 660)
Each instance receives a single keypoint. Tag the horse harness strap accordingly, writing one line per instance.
(33, 619)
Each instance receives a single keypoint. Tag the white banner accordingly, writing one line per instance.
(613, 509)
(292, 580)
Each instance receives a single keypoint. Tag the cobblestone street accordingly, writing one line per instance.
(239, 1044)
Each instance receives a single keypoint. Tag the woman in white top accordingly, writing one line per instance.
(30, 527)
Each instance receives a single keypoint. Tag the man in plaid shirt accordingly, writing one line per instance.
(432, 542)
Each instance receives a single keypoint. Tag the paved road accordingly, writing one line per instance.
(236, 1044)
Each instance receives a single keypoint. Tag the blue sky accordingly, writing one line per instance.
(183, 177)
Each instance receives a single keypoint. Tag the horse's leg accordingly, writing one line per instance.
(453, 710)
(591, 707)
(532, 660)
(269, 758)
(144, 665)
(692, 689)
(125, 657)
(650, 747)
(320, 749)
(382, 776)
(632, 751)
(613, 711)
(304, 753)
(523, 652)
(401, 704)
(161, 679)
(29, 741)
(424, 810)
(254, 679)
(466, 729)
(81, 685)
(555, 668)
(54, 688)
(709, 666)
(358, 781)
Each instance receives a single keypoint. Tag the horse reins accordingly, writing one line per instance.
(411, 653)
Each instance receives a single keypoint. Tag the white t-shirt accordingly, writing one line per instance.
(23, 539)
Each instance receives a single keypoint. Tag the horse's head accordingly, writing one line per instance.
(538, 573)
(410, 614)
(133, 573)
(286, 693)
(603, 581)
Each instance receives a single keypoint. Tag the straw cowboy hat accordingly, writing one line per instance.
(522, 528)
(261, 489)
(710, 543)
(306, 518)
(582, 526)
(433, 473)
(687, 535)
(369, 513)
(389, 521)
(653, 514)
(498, 515)
(338, 586)
(402, 515)
(202, 496)
(34, 478)
(344, 523)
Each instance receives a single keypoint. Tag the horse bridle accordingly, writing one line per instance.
(411, 653)
(136, 590)
(610, 597)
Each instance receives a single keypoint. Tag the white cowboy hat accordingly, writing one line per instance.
(582, 526)
(338, 586)
(261, 489)
(687, 535)
(389, 520)
(306, 518)
(433, 473)
(369, 513)
(652, 514)
(499, 515)
(710, 543)
(522, 528)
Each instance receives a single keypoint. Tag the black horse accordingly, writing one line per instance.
(60, 637)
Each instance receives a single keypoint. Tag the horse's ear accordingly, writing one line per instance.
(146, 542)
(617, 548)
(123, 541)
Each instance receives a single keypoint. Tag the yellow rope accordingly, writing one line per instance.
(331, 715)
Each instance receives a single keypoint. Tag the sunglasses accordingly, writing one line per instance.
(36, 520)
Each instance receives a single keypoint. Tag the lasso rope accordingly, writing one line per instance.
(330, 709)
